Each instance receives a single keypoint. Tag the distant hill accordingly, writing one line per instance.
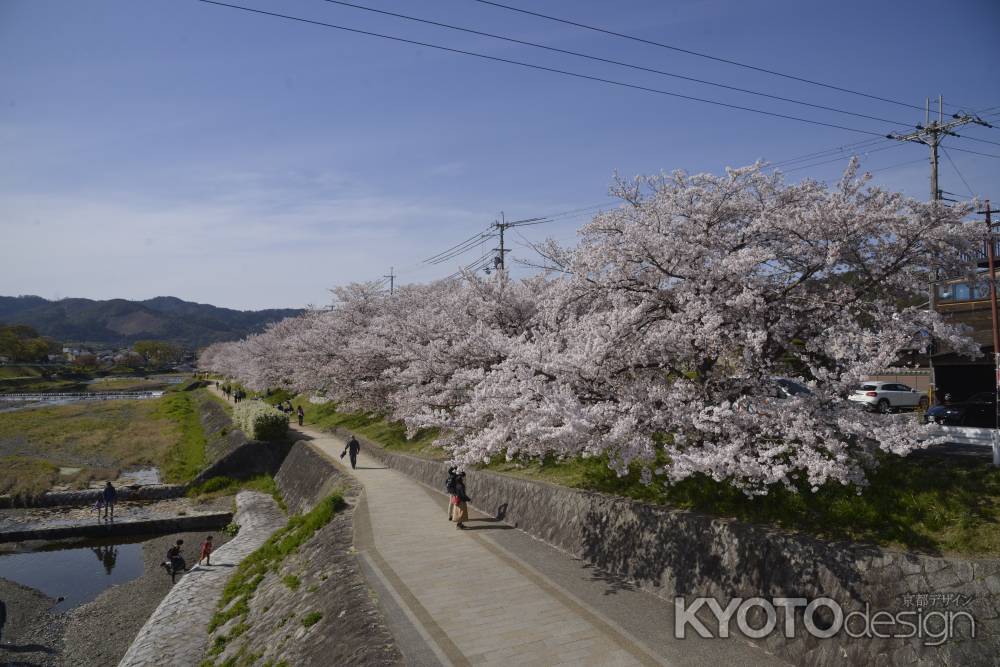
(120, 322)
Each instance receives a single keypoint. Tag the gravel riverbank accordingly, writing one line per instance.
(94, 634)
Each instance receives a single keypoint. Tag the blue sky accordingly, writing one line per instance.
(154, 147)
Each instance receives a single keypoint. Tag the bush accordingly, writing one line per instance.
(260, 421)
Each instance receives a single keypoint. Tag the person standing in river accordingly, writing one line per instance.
(109, 496)
(352, 448)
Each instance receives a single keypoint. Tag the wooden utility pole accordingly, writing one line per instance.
(996, 333)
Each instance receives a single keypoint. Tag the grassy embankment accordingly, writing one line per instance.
(934, 503)
(96, 440)
(242, 586)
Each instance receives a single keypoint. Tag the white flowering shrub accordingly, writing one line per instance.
(655, 341)
(260, 421)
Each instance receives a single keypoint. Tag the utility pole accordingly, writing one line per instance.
(931, 133)
(996, 332)
(392, 280)
(501, 226)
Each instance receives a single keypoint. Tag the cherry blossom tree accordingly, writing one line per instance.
(662, 340)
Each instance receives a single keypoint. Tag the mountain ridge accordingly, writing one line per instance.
(120, 322)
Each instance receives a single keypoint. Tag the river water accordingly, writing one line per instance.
(78, 574)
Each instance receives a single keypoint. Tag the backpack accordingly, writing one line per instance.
(450, 486)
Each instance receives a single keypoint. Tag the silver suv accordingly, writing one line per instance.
(888, 396)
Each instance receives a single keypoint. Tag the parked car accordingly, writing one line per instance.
(978, 410)
(885, 397)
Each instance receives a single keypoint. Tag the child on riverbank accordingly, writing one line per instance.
(206, 551)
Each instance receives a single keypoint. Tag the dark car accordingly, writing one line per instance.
(977, 410)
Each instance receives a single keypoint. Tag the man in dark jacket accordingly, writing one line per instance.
(352, 448)
(109, 495)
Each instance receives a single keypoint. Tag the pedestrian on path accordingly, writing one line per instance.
(206, 551)
(352, 448)
(301, 414)
(109, 496)
(452, 491)
(461, 512)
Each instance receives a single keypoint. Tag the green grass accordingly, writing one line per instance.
(17, 371)
(311, 619)
(391, 435)
(26, 477)
(41, 385)
(216, 487)
(292, 581)
(187, 457)
(931, 503)
(243, 584)
(100, 438)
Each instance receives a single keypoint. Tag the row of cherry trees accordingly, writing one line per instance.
(657, 339)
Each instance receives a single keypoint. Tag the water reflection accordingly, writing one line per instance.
(107, 555)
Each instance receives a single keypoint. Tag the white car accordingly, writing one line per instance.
(888, 396)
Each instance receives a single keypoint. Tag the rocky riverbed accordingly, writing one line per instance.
(96, 633)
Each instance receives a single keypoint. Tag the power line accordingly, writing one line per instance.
(966, 150)
(829, 151)
(697, 53)
(543, 68)
(610, 61)
(899, 164)
(840, 158)
(955, 167)
(984, 141)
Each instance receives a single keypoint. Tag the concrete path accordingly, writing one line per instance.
(177, 632)
(478, 600)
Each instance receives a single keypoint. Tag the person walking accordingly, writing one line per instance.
(109, 496)
(206, 551)
(451, 490)
(302, 415)
(352, 448)
(461, 513)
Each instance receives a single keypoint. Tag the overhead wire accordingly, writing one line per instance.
(543, 68)
(957, 171)
(700, 54)
(610, 61)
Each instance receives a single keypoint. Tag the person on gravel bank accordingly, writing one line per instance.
(175, 559)
(352, 448)
(109, 495)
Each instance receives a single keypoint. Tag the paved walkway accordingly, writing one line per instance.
(475, 602)
(177, 632)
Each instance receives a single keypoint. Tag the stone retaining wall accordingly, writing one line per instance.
(307, 476)
(675, 553)
(90, 496)
(179, 524)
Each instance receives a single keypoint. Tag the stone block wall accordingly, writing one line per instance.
(677, 553)
(307, 476)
